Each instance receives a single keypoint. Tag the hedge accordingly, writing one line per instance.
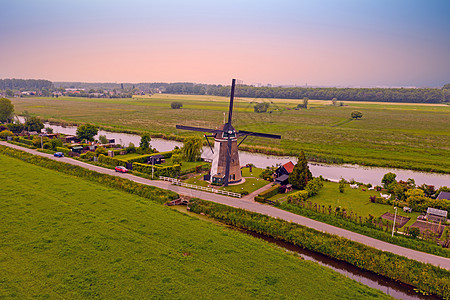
(270, 192)
(112, 161)
(298, 196)
(423, 276)
(168, 171)
(63, 150)
(119, 183)
(144, 158)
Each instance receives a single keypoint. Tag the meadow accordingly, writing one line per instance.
(409, 136)
(66, 237)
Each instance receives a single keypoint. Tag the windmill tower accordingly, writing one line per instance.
(225, 167)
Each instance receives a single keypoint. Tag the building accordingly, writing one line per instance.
(444, 196)
(282, 173)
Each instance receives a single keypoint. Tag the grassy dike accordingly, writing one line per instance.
(70, 233)
(423, 276)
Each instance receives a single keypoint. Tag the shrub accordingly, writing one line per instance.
(261, 107)
(270, 192)
(176, 105)
(313, 186)
(5, 133)
(63, 150)
(298, 196)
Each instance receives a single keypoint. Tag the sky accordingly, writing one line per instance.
(346, 43)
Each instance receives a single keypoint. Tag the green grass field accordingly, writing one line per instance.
(355, 200)
(393, 135)
(64, 237)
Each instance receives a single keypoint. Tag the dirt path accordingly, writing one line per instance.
(248, 204)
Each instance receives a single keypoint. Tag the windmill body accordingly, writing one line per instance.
(225, 167)
(219, 162)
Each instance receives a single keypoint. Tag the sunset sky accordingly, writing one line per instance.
(321, 42)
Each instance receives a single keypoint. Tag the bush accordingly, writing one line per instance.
(176, 105)
(298, 196)
(63, 150)
(261, 107)
(270, 192)
(5, 133)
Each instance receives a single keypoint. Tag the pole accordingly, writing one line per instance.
(153, 166)
(395, 217)
(42, 147)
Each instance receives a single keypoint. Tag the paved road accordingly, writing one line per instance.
(250, 205)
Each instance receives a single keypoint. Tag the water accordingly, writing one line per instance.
(366, 175)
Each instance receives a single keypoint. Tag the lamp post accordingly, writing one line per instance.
(395, 217)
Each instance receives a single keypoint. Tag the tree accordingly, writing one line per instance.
(49, 130)
(176, 105)
(86, 132)
(342, 183)
(192, 148)
(446, 87)
(334, 102)
(145, 142)
(356, 114)
(5, 133)
(6, 110)
(445, 237)
(313, 186)
(100, 150)
(103, 139)
(261, 107)
(34, 124)
(301, 174)
(388, 179)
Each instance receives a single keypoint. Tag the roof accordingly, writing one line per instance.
(156, 156)
(437, 212)
(289, 167)
(282, 178)
(444, 195)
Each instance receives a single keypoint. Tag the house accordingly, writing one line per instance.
(444, 195)
(285, 169)
(282, 173)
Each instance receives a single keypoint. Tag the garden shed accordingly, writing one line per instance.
(437, 215)
(155, 159)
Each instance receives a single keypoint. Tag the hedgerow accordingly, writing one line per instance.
(146, 191)
(423, 276)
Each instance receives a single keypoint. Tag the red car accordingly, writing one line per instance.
(121, 169)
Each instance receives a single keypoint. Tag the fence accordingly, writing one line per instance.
(197, 187)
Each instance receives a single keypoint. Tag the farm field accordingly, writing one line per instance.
(409, 136)
(64, 237)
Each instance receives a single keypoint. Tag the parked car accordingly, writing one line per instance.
(121, 169)
(58, 154)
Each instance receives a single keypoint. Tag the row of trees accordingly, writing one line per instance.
(424, 95)
(17, 84)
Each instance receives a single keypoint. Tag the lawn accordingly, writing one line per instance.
(64, 237)
(392, 135)
(355, 200)
(251, 184)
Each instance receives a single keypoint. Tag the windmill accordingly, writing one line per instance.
(225, 167)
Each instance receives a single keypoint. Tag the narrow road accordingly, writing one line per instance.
(249, 204)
